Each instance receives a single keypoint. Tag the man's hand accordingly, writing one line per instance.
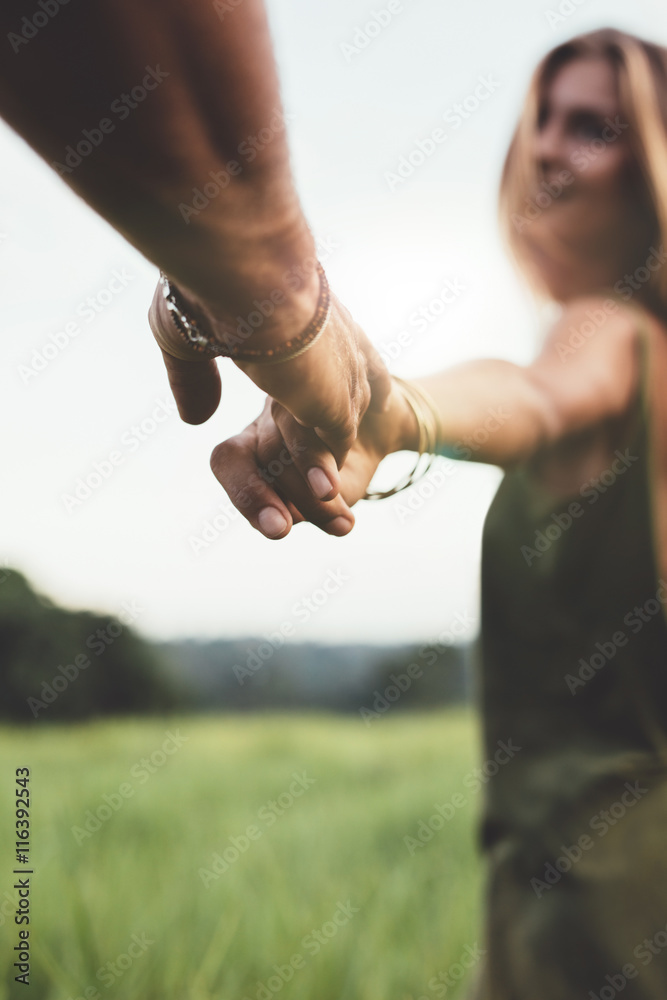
(328, 388)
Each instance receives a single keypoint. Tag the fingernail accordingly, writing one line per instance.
(271, 521)
(339, 526)
(319, 483)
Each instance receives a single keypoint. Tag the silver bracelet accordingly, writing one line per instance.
(292, 348)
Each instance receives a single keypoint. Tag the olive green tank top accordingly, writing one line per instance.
(573, 643)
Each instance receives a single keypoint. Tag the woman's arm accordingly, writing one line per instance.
(492, 411)
(501, 413)
(166, 118)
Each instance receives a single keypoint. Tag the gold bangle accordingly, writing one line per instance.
(189, 330)
(430, 435)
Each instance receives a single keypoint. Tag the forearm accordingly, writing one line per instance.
(189, 100)
(490, 412)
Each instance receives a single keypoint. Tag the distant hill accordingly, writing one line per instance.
(246, 674)
(61, 664)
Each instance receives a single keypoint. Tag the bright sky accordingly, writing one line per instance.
(389, 248)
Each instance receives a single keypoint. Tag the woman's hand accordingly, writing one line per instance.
(328, 388)
(267, 469)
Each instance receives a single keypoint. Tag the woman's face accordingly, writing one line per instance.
(599, 210)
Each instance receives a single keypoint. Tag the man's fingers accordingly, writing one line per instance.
(338, 439)
(379, 378)
(234, 465)
(310, 454)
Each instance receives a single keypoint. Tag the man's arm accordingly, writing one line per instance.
(166, 118)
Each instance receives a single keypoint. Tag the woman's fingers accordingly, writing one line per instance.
(258, 474)
(279, 468)
(308, 452)
(234, 464)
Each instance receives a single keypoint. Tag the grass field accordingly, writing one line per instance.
(244, 857)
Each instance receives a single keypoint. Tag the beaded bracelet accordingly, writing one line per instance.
(292, 348)
(430, 434)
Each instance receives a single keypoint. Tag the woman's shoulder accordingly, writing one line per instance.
(597, 324)
(590, 365)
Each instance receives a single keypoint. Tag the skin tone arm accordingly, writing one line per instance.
(154, 100)
(564, 392)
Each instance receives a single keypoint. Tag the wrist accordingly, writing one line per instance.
(248, 272)
(258, 306)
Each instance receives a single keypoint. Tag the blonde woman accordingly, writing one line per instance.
(574, 565)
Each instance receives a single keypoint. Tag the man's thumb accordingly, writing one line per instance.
(196, 387)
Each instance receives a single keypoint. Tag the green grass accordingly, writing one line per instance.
(341, 839)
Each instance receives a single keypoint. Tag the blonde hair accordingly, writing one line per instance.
(641, 69)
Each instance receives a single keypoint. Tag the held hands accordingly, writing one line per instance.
(267, 469)
(327, 389)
